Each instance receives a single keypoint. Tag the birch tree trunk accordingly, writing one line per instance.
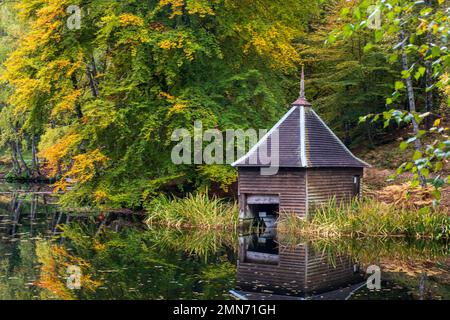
(15, 162)
(91, 71)
(411, 102)
(21, 159)
(34, 158)
(428, 80)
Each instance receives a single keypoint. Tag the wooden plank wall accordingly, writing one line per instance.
(290, 185)
(325, 183)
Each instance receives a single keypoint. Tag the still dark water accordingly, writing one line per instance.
(46, 253)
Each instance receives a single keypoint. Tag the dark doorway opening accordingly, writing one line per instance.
(264, 210)
(265, 214)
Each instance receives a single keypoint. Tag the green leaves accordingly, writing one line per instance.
(420, 73)
(348, 30)
(435, 52)
(332, 38)
(417, 155)
(399, 85)
(357, 13)
(379, 34)
(368, 47)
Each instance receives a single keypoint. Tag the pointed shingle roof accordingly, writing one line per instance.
(303, 140)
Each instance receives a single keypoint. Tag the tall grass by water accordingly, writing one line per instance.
(194, 211)
(367, 218)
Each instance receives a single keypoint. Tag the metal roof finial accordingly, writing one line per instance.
(302, 84)
(301, 101)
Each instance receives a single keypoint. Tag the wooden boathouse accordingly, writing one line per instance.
(314, 166)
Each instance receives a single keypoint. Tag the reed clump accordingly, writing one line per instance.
(193, 211)
(368, 218)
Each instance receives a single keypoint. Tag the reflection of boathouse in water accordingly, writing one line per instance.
(268, 272)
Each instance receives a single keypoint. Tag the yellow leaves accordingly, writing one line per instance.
(67, 104)
(423, 26)
(98, 246)
(176, 6)
(30, 71)
(100, 196)
(177, 108)
(178, 104)
(167, 44)
(201, 8)
(50, 17)
(175, 42)
(58, 150)
(26, 90)
(85, 165)
(52, 70)
(130, 20)
(445, 80)
(179, 41)
(275, 43)
(131, 29)
(84, 168)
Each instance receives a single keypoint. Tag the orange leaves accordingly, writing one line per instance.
(50, 272)
(84, 168)
(41, 79)
(61, 155)
(54, 260)
(60, 149)
(166, 96)
(50, 17)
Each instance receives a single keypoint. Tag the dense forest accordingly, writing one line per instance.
(91, 90)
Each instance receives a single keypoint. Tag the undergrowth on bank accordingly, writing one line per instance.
(194, 211)
(367, 218)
